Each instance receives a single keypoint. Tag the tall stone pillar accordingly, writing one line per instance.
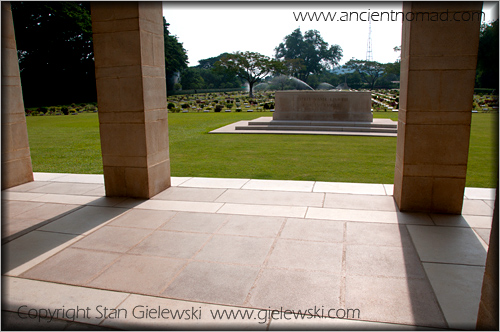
(16, 158)
(131, 96)
(487, 317)
(438, 63)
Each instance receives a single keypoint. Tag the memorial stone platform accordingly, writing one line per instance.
(318, 113)
(349, 106)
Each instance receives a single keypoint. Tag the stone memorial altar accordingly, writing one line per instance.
(318, 113)
(323, 106)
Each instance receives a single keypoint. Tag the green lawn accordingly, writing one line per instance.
(70, 144)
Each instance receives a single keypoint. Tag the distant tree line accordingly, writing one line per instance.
(56, 59)
(55, 51)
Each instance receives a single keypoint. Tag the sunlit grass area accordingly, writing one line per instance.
(70, 144)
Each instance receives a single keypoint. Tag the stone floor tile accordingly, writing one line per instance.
(130, 203)
(42, 176)
(306, 255)
(214, 183)
(236, 249)
(46, 295)
(14, 228)
(414, 218)
(491, 204)
(195, 222)
(336, 324)
(369, 260)
(189, 316)
(113, 239)
(252, 225)
(66, 188)
(155, 204)
(278, 289)
(19, 196)
(455, 245)
(138, 218)
(377, 234)
(26, 186)
(190, 194)
(10, 209)
(264, 210)
(313, 230)
(84, 220)
(271, 197)
(484, 233)
(361, 202)
(394, 300)
(86, 327)
(171, 244)
(99, 191)
(369, 216)
(33, 219)
(71, 266)
(349, 188)
(30, 249)
(177, 181)
(14, 321)
(81, 178)
(461, 220)
(477, 207)
(139, 274)
(389, 189)
(480, 193)
(458, 290)
(213, 283)
(280, 185)
(65, 199)
(48, 211)
(107, 201)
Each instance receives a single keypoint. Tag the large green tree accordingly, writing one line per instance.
(191, 79)
(249, 66)
(56, 59)
(176, 59)
(487, 57)
(209, 63)
(370, 71)
(314, 53)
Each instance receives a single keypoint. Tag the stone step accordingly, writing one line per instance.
(319, 128)
(322, 124)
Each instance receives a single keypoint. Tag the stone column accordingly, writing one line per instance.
(131, 96)
(438, 63)
(16, 159)
(487, 317)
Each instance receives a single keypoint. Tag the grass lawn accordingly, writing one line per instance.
(70, 144)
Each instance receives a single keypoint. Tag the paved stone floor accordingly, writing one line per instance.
(206, 245)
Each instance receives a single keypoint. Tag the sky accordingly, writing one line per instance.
(208, 29)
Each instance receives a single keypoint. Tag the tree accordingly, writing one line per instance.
(210, 62)
(176, 58)
(315, 54)
(487, 57)
(55, 51)
(397, 49)
(370, 71)
(392, 71)
(216, 78)
(191, 79)
(250, 66)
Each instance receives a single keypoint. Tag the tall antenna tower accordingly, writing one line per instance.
(369, 52)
